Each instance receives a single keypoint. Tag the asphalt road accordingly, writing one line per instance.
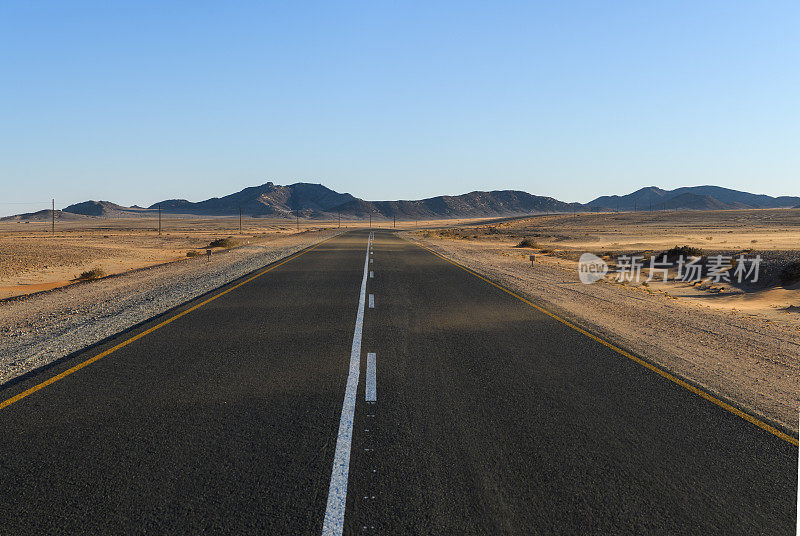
(490, 418)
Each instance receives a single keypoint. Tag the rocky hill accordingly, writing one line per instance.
(318, 201)
(266, 200)
(690, 198)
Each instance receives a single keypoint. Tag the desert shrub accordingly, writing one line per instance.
(90, 275)
(547, 251)
(790, 273)
(222, 243)
(685, 251)
(193, 253)
(527, 243)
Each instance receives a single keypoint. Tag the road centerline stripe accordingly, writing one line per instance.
(333, 524)
(372, 301)
(371, 391)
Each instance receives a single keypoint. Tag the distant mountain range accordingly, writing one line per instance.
(266, 200)
(317, 201)
(691, 198)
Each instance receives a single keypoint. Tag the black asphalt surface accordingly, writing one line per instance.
(492, 418)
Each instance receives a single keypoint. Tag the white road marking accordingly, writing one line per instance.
(371, 260)
(371, 275)
(333, 523)
(371, 393)
(372, 301)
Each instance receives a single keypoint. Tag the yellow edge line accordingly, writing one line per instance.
(125, 343)
(724, 405)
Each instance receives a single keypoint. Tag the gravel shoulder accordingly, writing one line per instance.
(749, 360)
(45, 327)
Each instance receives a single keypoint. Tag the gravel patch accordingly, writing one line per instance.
(40, 329)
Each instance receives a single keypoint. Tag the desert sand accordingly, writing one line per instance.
(33, 259)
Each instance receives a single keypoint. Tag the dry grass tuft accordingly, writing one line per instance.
(527, 243)
(91, 275)
(223, 243)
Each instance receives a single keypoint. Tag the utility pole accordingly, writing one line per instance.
(159, 219)
(394, 223)
(339, 212)
(240, 220)
(297, 216)
(53, 221)
(370, 220)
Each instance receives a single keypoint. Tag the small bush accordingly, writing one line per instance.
(222, 243)
(527, 243)
(685, 251)
(193, 253)
(91, 275)
(790, 273)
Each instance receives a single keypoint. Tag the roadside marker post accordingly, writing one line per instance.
(533, 259)
(208, 255)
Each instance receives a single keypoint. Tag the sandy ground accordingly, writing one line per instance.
(768, 229)
(33, 259)
(743, 345)
(772, 234)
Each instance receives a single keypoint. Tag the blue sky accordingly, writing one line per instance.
(136, 102)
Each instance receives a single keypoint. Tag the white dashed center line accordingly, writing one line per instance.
(371, 274)
(372, 301)
(333, 524)
(371, 392)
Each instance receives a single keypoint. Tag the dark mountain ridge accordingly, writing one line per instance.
(473, 204)
(691, 197)
(317, 201)
(266, 200)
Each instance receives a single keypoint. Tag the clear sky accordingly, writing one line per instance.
(141, 101)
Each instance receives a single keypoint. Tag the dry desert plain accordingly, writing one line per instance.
(740, 342)
(34, 259)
